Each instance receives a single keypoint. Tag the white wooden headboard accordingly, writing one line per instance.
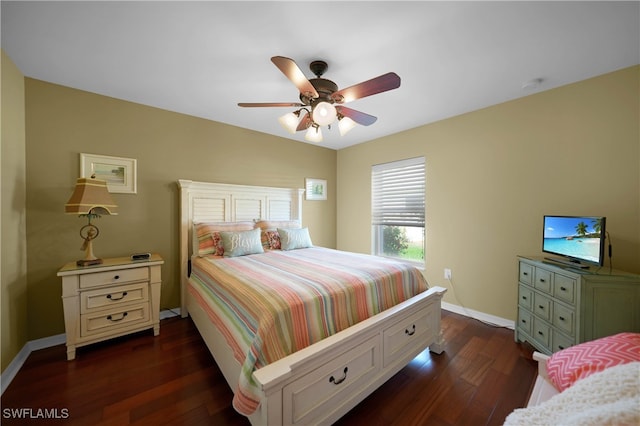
(219, 202)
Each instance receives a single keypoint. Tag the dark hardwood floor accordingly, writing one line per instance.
(172, 379)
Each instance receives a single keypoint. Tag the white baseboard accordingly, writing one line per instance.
(480, 316)
(47, 342)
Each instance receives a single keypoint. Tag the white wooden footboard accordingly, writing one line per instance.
(322, 382)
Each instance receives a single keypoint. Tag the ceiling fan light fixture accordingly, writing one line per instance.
(345, 124)
(290, 121)
(324, 113)
(314, 134)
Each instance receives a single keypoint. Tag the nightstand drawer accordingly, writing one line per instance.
(106, 321)
(102, 298)
(114, 277)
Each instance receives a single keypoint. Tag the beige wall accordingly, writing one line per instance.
(492, 174)
(13, 248)
(62, 122)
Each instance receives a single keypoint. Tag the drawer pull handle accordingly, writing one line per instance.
(122, 296)
(110, 318)
(524, 321)
(340, 380)
(563, 288)
(561, 318)
(541, 307)
(524, 297)
(560, 347)
(412, 332)
(541, 333)
(117, 277)
(541, 280)
(525, 274)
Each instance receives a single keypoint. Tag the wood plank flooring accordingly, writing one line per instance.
(172, 379)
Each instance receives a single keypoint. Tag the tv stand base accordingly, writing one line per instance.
(569, 263)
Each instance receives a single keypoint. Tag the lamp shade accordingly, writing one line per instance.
(289, 121)
(313, 134)
(324, 113)
(91, 196)
(345, 124)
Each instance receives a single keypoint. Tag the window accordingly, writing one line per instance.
(397, 209)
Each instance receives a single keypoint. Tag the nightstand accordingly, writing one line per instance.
(115, 298)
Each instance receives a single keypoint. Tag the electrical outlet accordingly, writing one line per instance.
(447, 273)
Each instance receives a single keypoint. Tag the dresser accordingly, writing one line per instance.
(560, 306)
(115, 298)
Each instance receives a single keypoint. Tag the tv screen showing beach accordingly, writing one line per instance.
(577, 237)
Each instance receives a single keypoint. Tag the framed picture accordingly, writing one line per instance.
(316, 189)
(120, 173)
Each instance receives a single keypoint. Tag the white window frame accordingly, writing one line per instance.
(413, 187)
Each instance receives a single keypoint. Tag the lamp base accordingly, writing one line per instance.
(89, 262)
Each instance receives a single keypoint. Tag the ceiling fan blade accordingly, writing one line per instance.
(270, 104)
(376, 85)
(305, 122)
(357, 116)
(292, 71)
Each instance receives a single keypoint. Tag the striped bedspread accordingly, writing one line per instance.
(272, 304)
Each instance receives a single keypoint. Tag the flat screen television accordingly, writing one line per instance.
(577, 240)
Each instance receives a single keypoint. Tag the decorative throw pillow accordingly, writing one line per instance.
(569, 365)
(204, 240)
(241, 243)
(218, 248)
(291, 239)
(271, 240)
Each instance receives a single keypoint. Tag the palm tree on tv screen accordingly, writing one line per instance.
(581, 229)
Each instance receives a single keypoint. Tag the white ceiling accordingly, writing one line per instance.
(202, 58)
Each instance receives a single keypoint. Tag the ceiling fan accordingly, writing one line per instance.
(318, 96)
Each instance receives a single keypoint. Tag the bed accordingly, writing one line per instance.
(592, 383)
(319, 382)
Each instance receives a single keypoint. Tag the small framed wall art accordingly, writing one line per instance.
(316, 189)
(120, 173)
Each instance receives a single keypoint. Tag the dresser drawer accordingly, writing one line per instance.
(542, 333)
(564, 319)
(542, 306)
(526, 273)
(525, 297)
(561, 342)
(104, 298)
(525, 321)
(406, 334)
(114, 277)
(543, 280)
(564, 288)
(316, 394)
(109, 321)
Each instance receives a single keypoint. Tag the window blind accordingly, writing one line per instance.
(397, 191)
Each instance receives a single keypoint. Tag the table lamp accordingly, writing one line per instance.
(90, 199)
